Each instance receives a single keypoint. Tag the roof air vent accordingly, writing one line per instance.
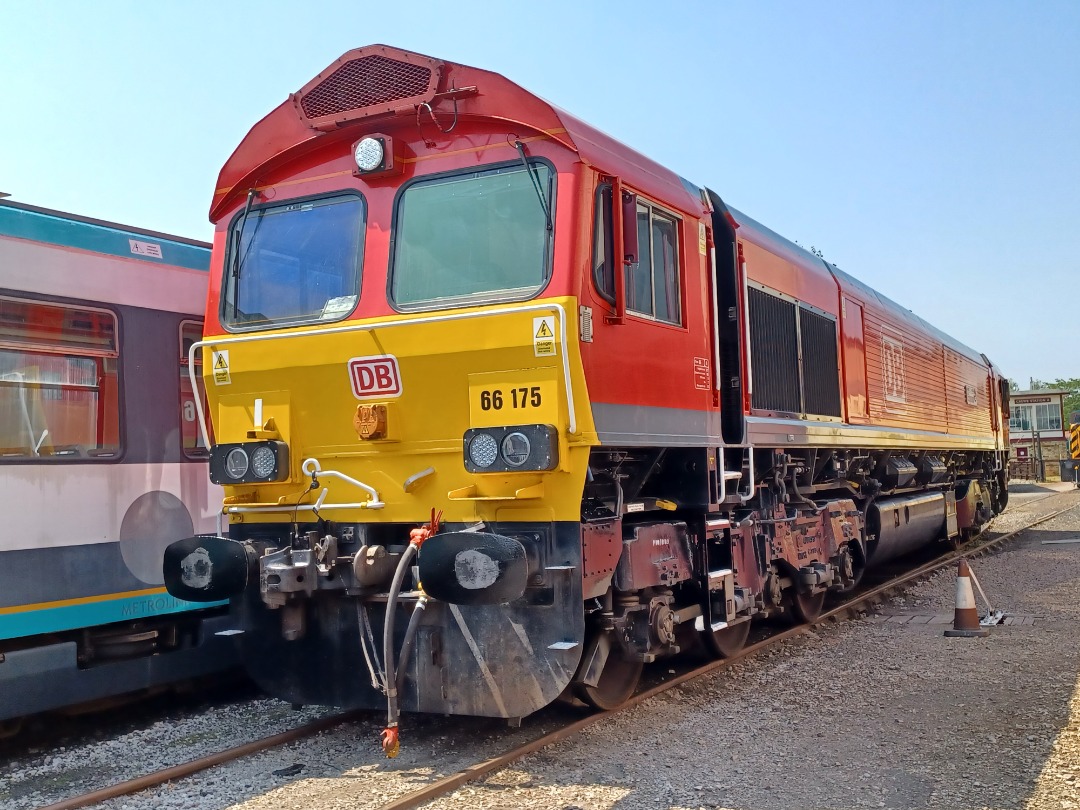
(362, 84)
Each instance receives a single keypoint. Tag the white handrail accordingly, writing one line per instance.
(311, 467)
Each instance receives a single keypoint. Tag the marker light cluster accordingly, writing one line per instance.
(249, 463)
(516, 448)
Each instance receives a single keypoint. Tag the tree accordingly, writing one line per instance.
(1072, 401)
(1072, 385)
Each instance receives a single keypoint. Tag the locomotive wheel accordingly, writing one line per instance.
(726, 642)
(806, 607)
(616, 685)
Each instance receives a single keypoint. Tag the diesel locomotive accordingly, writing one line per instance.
(504, 409)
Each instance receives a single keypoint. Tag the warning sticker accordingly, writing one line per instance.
(702, 377)
(221, 368)
(702, 240)
(544, 336)
(145, 248)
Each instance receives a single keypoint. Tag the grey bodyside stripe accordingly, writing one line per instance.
(643, 426)
(635, 425)
(767, 432)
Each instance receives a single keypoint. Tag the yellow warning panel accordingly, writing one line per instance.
(1074, 441)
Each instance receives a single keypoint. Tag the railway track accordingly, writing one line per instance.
(442, 786)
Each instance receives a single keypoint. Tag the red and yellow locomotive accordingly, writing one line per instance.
(626, 417)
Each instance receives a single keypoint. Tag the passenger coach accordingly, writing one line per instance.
(101, 463)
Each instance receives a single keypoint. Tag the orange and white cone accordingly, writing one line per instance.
(966, 617)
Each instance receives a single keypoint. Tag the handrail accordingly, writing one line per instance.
(311, 467)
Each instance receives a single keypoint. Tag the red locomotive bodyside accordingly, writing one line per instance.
(896, 371)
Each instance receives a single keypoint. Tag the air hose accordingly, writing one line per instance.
(391, 742)
(410, 638)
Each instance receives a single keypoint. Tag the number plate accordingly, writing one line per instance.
(512, 398)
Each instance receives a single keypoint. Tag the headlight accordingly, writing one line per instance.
(368, 154)
(483, 450)
(249, 462)
(263, 462)
(236, 463)
(515, 448)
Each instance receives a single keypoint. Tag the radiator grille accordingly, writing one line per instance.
(366, 82)
(774, 353)
(821, 375)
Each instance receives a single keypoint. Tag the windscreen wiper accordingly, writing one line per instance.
(534, 175)
(252, 194)
(237, 262)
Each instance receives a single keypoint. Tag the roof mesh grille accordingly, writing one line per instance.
(365, 82)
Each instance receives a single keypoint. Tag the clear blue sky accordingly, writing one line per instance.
(930, 148)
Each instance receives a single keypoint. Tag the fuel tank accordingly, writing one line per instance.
(902, 525)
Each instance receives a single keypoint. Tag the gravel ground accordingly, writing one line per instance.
(859, 714)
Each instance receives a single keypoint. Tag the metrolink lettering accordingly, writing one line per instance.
(150, 606)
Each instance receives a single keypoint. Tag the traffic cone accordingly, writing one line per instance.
(966, 617)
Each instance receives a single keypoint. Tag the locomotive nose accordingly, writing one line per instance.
(205, 568)
(473, 568)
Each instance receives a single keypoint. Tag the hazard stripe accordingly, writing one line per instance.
(1074, 442)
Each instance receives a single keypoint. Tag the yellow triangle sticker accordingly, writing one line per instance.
(544, 331)
(221, 362)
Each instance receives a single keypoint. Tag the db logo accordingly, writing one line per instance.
(375, 376)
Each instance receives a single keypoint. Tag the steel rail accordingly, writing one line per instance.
(156, 778)
(444, 785)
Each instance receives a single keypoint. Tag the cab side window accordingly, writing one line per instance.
(603, 262)
(652, 285)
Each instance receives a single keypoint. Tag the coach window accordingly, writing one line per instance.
(59, 391)
(603, 245)
(294, 262)
(652, 285)
(194, 446)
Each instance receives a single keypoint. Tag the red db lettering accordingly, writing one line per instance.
(375, 377)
